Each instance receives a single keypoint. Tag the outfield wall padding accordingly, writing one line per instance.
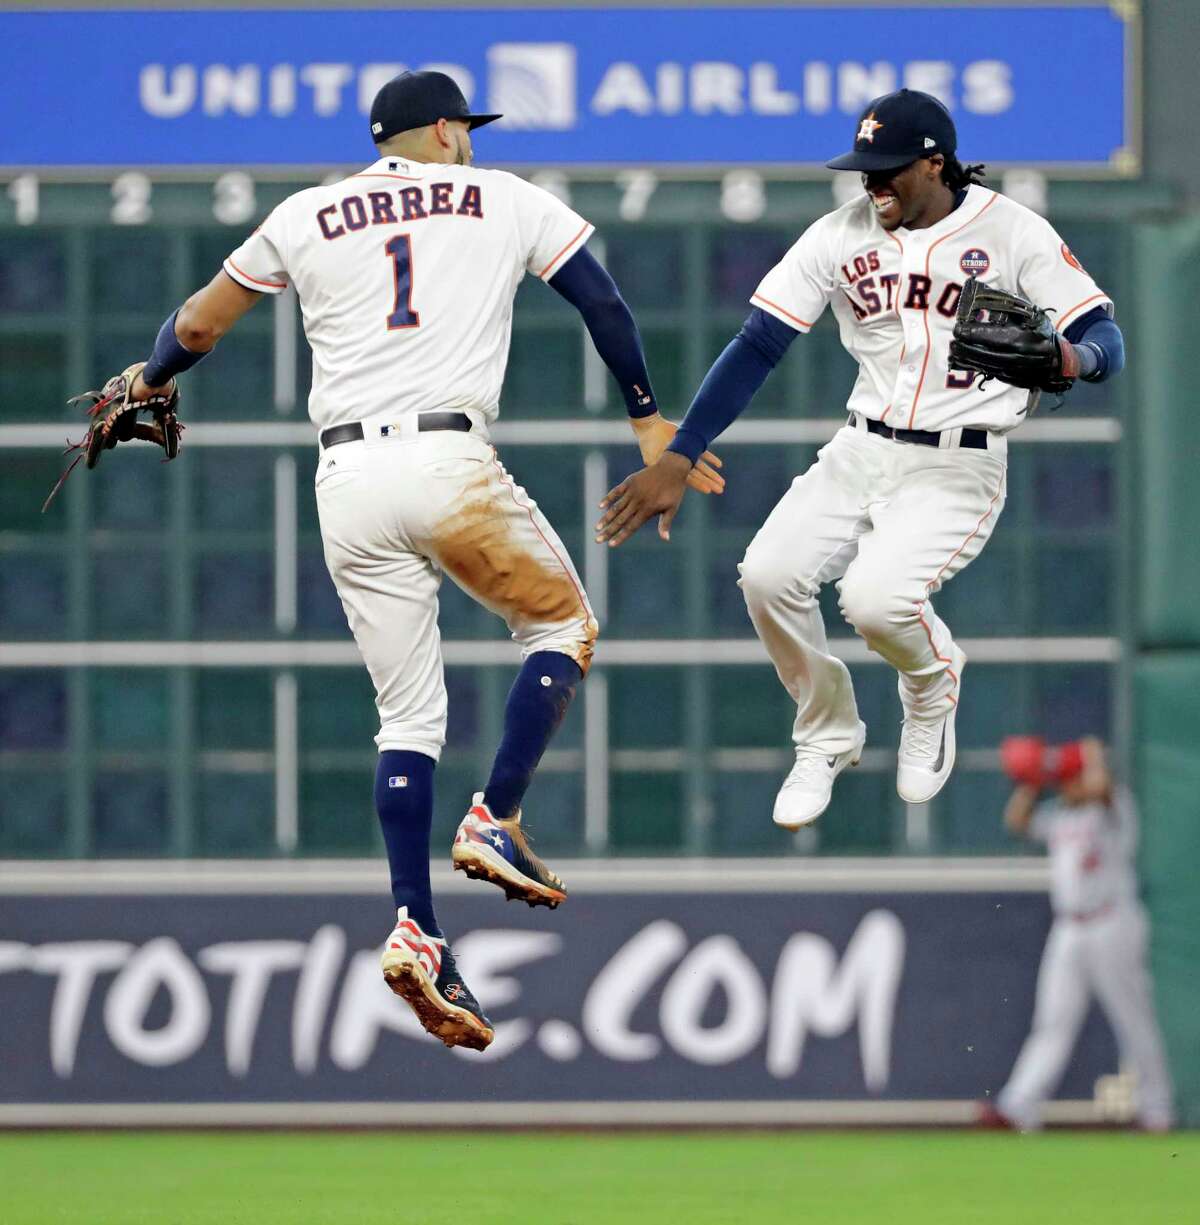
(1164, 432)
(1168, 762)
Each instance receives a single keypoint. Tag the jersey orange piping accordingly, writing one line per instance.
(1063, 318)
(896, 311)
(776, 307)
(925, 314)
(583, 230)
(903, 350)
(987, 514)
(272, 284)
(511, 485)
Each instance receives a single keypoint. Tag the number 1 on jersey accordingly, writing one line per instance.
(403, 315)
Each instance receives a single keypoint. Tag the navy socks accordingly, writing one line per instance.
(404, 781)
(536, 704)
(404, 802)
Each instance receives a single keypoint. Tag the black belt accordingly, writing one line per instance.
(976, 440)
(425, 421)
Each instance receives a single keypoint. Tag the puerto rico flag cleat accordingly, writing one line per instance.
(420, 969)
(498, 851)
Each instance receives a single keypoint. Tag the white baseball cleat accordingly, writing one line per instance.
(926, 756)
(807, 790)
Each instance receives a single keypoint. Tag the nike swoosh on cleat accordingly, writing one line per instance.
(937, 765)
(831, 762)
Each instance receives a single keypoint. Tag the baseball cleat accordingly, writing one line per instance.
(498, 851)
(926, 756)
(420, 969)
(807, 790)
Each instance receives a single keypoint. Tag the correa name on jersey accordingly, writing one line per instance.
(405, 204)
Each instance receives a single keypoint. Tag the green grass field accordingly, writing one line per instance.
(346, 1178)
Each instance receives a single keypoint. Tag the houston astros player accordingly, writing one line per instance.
(909, 490)
(406, 273)
(1097, 944)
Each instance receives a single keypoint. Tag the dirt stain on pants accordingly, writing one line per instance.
(518, 575)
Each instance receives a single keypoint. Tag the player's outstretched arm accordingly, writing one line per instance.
(192, 332)
(585, 283)
(148, 388)
(723, 396)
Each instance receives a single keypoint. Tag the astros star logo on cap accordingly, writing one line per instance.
(867, 129)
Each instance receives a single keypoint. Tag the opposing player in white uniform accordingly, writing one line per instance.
(1097, 947)
(908, 492)
(406, 274)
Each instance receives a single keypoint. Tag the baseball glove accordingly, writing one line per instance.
(113, 418)
(1023, 759)
(1004, 336)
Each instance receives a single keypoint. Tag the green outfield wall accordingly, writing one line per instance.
(1165, 551)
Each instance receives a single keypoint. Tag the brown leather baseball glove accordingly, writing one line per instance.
(113, 418)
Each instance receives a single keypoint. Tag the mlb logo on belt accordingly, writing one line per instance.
(974, 262)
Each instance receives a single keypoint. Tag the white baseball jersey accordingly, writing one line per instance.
(1097, 949)
(895, 296)
(406, 274)
(1091, 853)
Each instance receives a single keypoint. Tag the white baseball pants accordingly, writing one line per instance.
(396, 513)
(893, 521)
(1103, 957)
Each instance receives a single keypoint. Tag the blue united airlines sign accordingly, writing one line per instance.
(578, 87)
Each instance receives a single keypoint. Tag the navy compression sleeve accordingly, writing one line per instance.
(730, 384)
(585, 283)
(1100, 343)
(169, 357)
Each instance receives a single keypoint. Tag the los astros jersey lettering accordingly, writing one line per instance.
(895, 297)
(406, 274)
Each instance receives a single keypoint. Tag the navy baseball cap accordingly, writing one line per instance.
(898, 128)
(417, 99)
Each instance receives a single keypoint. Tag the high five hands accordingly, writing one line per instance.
(658, 488)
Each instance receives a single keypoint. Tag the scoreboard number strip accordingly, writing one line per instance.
(234, 198)
(742, 195)
(23, 191)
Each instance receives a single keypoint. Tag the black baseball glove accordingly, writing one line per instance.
(1004, 336)
(113, 418)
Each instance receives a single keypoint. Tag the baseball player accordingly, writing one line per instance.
(406, 273)
(1097, 944)
(909, 490)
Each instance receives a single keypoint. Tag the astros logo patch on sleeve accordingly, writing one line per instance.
(1069, 256)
